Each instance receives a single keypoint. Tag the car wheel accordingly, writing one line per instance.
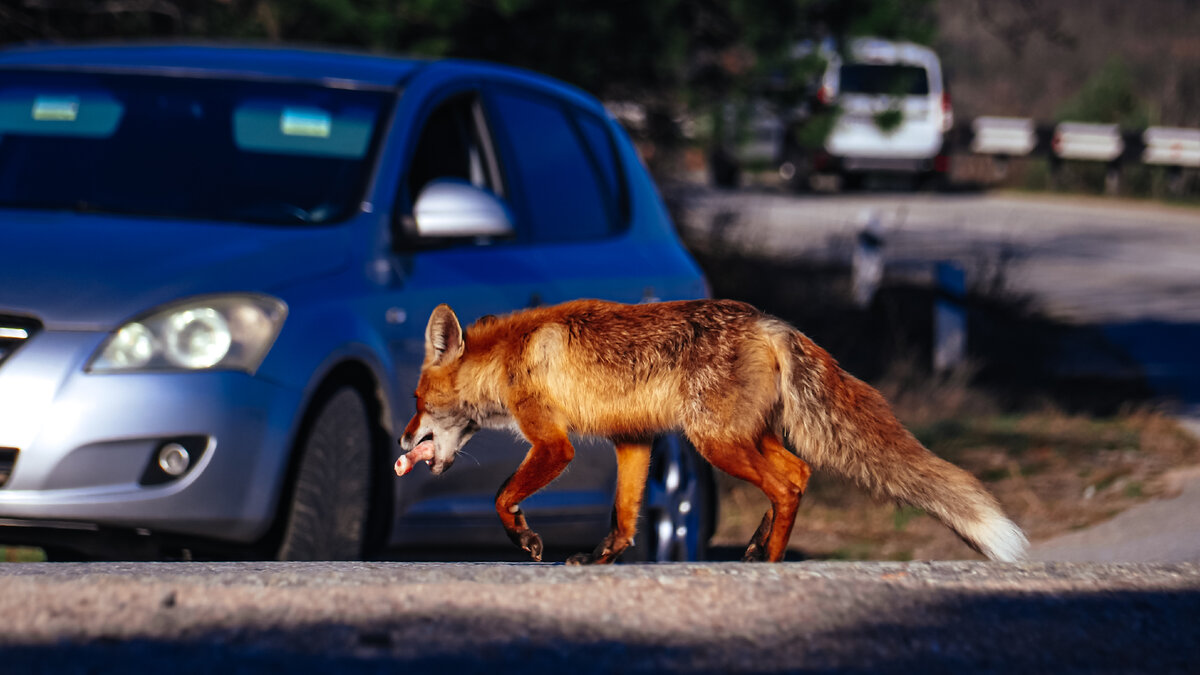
(679, 506)
(330, 498)
(852, 181)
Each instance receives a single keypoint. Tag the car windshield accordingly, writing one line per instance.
(188, 147)
(884, 79)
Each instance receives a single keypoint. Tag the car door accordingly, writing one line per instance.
(475, 277)
(570, 196)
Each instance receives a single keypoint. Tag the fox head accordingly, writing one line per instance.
(442, 418)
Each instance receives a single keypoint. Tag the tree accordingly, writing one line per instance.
(668, 55)
(1108, 97)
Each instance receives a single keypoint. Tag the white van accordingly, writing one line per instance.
(893, 110)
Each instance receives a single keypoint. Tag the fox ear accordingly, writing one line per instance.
(443, 337)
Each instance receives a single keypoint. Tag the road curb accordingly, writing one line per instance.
(705, 617)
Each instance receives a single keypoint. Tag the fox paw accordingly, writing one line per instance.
(754, 553)
(606, 553)
(531, 542)
(580, 559)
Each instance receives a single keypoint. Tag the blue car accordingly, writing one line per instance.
(216, 266)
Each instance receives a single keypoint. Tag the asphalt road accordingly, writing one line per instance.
(523, 618)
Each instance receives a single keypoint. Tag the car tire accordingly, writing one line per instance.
(931, 181)
(679, 505)
(331, 495)
(852, 181)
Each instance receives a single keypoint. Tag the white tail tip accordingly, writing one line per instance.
(999, 538)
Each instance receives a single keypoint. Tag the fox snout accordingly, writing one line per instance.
(407, 442)
(424, 440)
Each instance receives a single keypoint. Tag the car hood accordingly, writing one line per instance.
(81, 272)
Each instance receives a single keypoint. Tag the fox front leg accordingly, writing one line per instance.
(520, 534)
(545, 460)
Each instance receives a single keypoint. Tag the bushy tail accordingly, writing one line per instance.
(837, 422)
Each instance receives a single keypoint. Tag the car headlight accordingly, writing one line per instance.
(227, 332)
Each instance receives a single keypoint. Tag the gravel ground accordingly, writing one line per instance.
(1162, 530)
(715, 617)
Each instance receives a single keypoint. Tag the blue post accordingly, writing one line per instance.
(949, 317)
(867, 263)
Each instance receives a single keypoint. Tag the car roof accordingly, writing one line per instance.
(273, 61)
(875, 50)
(241, 60)
(311, 64)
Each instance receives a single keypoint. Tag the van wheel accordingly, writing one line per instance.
(679, 506)
(330, 499)
(723, 169)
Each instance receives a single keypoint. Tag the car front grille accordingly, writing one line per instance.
(8, 457)
(14, 332)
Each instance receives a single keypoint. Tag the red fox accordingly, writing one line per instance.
(738, 383)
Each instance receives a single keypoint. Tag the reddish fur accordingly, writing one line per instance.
(735, 381)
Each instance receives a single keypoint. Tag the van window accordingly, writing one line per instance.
(558, 176)
(883, 79)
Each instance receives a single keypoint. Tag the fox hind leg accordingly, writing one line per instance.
(772, 539)
(756, 551)
(781, 476)
(633, 463)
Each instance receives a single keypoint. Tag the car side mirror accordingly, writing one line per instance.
(449, 207)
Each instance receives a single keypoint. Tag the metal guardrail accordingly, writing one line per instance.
(1172, 146)
(1007, 137)
(1091, 142)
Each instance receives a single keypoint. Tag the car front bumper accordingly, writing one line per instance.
(83, 443)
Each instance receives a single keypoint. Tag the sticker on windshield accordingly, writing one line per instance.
(297, 128)
(309, 122)
(56, 108)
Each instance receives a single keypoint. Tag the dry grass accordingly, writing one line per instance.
(1053, 472)
(21, 554)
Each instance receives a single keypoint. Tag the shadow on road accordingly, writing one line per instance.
(902, 630)
(1116, 632)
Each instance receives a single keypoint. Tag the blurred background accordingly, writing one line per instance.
(682, 71)
(1031, 310)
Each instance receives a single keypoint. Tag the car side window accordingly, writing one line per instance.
(558, 173)
(600, 142)
(454, 144)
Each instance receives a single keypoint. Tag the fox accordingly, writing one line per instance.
(756, 398)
